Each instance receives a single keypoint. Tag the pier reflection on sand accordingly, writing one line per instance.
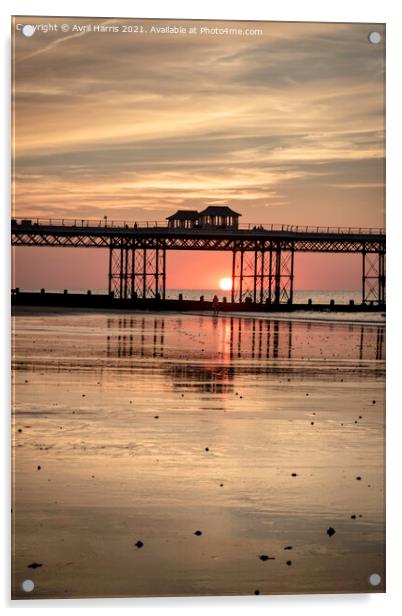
(143, 427)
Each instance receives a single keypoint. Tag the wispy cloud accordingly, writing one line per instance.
(132, 126)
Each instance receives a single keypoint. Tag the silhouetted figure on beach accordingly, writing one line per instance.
(215, 304)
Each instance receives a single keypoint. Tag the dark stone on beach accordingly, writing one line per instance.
(360, 416)
(139, 544)
(83, 395)
(358, 478)
(287, 547)
(19, 429)
(311, 423)
(34, 565)
(360, 515)
(288, 562)
(307, 394)
(355, 420)
(264, 557)
(39, 467)
(256, 592)
(206, 448)
(156, 417)
(198, 533)
(373, 401)
(294, 474)
(331, 531)
(353, 517)
(221, 485)
(26, 381)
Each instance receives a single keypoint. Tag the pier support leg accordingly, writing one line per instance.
(232, 299)
(373, 278)
(270, 276)
(252, 274)
(255, 278)
(110, 275)
(241, 276)
(284, 275)
(277, 295)
(137, 272)
(163, 273)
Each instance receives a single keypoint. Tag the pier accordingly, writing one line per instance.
(263, 256)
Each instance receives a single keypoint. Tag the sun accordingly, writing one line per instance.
(225, 284)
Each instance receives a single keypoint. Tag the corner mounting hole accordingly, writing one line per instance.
(28, 30)
(28, 585)
(375, 579)
(374, 38)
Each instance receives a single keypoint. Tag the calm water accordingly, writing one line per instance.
(151, 427)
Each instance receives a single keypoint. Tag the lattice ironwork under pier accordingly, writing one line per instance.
(136, 272)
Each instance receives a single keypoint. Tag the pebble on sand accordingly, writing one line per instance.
(206, 448)
(358, 478)
(198, 533)
(294, 474)
(39, 467)
(287, 547)
(288, 562)
(19, 429)
(353, 516)
(221, 485)
(373, 401)
(331, 531)
(139, 544)
(311, 423)
(34, 565)
(156, 417)
(256, 592)
(264, 557)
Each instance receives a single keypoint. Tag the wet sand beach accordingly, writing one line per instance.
(131, 432)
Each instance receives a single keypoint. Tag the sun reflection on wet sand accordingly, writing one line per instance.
(146, 428)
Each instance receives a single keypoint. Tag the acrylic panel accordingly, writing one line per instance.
(198, 307)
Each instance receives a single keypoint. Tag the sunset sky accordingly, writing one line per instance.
(285, 127)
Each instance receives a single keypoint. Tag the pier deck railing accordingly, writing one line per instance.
(158, 224)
